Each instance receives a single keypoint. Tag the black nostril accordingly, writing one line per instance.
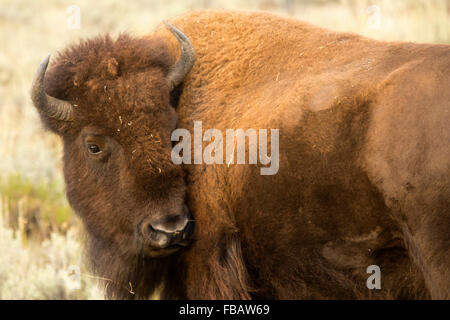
(146, 230)
(149, 229)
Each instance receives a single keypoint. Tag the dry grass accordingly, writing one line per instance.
(38, 233)
(40, 269)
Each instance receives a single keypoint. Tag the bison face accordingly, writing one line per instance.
(115, 122)
(128, 193)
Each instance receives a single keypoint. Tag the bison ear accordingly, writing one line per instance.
(113, 67)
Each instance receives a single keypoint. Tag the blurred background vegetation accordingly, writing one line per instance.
(40, 237)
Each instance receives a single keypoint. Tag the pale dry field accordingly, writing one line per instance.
(39, 235)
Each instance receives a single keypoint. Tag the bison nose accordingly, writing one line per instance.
(167, 231)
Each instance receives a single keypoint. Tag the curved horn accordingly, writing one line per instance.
(50, 106)
(186, 60)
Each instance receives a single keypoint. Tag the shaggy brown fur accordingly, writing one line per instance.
(121, 104)
(364, 159)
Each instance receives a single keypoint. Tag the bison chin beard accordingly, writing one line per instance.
(135, 276)
(161, 253)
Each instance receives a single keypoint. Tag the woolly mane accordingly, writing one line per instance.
(104, 58)
(102, 75)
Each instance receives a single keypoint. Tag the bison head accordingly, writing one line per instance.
(109, 100)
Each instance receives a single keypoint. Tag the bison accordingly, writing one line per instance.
(364, 172)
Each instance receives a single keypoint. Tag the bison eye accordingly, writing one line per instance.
(93, 148)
